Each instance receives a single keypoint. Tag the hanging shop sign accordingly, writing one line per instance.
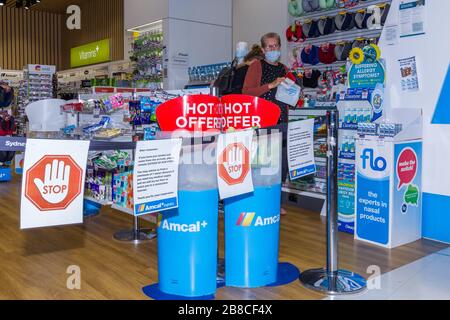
(41, 69)
(92, 53)
(301, 149)
(208, 113)
(366, 69)
(155, 182)
(234, 164)
(53, 187)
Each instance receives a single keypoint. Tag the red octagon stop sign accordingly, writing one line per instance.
(234, 163)
(53, 182)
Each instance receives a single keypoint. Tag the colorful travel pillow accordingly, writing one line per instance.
(327, 4)
(326, 53)
(310, 55)
(311, 5)
(342, 50)
(326, 26)
(295, 8)
(311, 78)
(311, 28)
(294, 33)
(345, 21)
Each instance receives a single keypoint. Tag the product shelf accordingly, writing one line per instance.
(101, 202)
(335, 11)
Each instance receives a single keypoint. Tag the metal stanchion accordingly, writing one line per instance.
(331, 280)
(214, 91)
(136, 235)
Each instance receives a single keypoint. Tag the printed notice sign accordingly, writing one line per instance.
(234, 171)
(412, 18)
(155, 182)
(301, 149)
(409, 76)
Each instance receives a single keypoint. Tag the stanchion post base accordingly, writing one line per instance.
(334, 283)
(134, 236)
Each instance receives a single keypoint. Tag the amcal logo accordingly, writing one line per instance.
(246, 220)
(181, 227)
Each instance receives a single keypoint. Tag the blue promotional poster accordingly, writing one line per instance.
(408, 180)
(374, 168)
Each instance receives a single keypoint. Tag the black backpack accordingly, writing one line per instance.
(224, 81)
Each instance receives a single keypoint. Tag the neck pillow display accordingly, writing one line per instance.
(359, 43)
(311, 5)
(342, 50)
(361, 18)
(326, 26)
(311, 29)
(345, 21)
(326, 53)
(327, 4)
(294, 33)
(310, 56)
(312, 80)
(295, 8)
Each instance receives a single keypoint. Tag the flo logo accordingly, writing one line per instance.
(376, 164)
(246, 220)
(53, 183)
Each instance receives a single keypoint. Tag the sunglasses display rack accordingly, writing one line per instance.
(147, 56)
(39, 84)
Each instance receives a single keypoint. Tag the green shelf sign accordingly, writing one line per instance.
(91, 53)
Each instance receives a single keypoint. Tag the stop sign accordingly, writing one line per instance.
(53, 182)
(234, 163)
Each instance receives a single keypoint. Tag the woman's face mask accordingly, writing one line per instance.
(273, 56)
(241, 53)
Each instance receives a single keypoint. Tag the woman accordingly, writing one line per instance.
(262, 80)
(6, 95)
(264, 76)
(255, 54)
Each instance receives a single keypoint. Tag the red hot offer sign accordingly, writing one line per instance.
(208, 113)
(52, 189)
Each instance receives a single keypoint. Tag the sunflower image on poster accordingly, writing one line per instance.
(366, 69)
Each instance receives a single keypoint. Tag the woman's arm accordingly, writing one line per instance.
(252, 83)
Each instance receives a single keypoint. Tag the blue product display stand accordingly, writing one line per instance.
(252, 228)
(187, 246)
(5, 174)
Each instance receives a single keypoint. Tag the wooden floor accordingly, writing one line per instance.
(33, 263)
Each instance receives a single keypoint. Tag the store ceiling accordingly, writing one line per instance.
(54, 6)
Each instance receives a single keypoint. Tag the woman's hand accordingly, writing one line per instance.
(276, 83)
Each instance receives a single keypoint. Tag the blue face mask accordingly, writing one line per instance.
(273, 56)
(241, 53)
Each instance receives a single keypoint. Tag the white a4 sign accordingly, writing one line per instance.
(234, 164)
(53, 183)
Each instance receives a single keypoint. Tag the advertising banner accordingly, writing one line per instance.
(234, 164)
(53, 183)
(91, 53)
(155, 181)
(205, 113)
(408, 179)
(374, 168)
(301, 149)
